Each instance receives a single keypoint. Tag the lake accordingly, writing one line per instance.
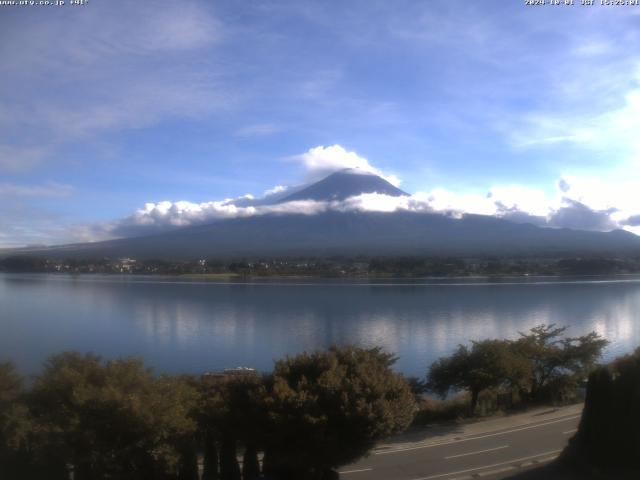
(195, 326)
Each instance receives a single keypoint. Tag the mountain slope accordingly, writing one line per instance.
(351, 233)
(344, 184)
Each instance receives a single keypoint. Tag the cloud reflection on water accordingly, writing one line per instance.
(193, 327)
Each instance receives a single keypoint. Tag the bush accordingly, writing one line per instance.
(432, 410)
(116, 420)
(329, 408)
(109, 419)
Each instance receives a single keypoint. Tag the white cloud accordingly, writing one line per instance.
(16, 159)
(257, 130)
(183, 213)
(168, 29)
(577, 215)
(579, 203)
(161, 216)
(376, 202)
(575, 202)
(442, 200)
(516, 197)
(612, 129)
(617, 197)
(616, 128)
(323, 159)
(319, 85)
(166, 215)
(593, 47)
(120, 67)
(47, 190)
(276, 189)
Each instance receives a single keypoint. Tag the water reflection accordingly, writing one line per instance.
(198, 326)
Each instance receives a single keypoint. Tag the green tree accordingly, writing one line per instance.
(552, 358)
(10, 384)
(329, 408)
(15, 425)
(112, 420)
(487, 364)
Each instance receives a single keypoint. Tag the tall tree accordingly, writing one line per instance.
(231, 417)
(210, 454)
(552, 357)
(208, 412)
(487, 364)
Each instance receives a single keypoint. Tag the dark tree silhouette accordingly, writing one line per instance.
(231, 415)
(608, 437)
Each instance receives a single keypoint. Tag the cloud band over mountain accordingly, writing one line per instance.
(576, 203)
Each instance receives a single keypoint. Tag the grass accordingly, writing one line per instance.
(432, 410)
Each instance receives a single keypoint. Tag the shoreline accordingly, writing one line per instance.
(446, 280)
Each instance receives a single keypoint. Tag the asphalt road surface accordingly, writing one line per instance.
(493, 454)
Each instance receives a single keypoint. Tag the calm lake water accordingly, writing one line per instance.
(196, 326)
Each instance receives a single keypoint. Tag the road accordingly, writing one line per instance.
(492, 449)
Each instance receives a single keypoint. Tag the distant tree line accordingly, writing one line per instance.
(339, 266)
(100, 419)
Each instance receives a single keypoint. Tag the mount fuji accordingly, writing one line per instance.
(330, 231)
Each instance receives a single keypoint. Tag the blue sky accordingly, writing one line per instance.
(493, 107)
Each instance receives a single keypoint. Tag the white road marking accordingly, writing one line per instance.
(475, 453)
(449, 442)
(569, 432)
(345, 472)
(487, 466)
(495, 471)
